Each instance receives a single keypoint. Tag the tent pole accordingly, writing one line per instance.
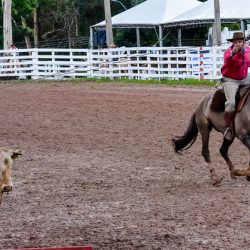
(214, 40)
(160, 36)
(91, 40)
(179, 37)
(138, 38)
(242, 26)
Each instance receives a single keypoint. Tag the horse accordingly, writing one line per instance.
(209, 115)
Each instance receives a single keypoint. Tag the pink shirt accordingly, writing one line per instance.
(236, 66)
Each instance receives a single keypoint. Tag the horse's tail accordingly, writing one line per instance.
(185, 141)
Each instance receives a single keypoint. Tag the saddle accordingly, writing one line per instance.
(219, 99)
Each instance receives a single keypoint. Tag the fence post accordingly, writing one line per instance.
(72, 66)
(35, 74)
(217, 61)
(90, 71)
(201, 64)
(54, 67)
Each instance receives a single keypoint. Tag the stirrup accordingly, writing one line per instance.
(228, 134)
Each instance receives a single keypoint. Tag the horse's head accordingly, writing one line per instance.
(6, 157)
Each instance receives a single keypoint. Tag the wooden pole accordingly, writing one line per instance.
(217, 23)
(7, 24)
(109, 30)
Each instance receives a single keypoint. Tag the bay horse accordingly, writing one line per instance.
(209, 115)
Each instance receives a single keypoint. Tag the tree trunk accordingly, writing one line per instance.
(77, 26)
(26, 37)
(36, 29)
(7, 24)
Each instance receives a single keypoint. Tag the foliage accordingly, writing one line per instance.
(64, 23)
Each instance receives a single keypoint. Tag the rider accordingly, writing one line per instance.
(235, 73)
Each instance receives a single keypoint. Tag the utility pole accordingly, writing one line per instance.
(109, 30)
(7, 24)
(217, 23)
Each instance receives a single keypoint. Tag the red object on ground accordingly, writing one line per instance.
(56, 248)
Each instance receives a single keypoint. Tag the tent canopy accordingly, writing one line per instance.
(150, 13)
(230, 11)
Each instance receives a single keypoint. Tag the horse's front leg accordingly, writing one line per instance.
(248, 176)
(1, 196)
(233, 171)
(224, 152)
(205, 153)
(245, 139)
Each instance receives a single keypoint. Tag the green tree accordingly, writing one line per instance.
(22, 15)
(64, 23)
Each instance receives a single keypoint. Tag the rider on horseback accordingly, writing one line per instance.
(235, 73)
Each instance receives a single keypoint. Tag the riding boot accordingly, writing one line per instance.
(229, 121)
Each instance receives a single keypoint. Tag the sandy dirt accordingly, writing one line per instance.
(98, 169)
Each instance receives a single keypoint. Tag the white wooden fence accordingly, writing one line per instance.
(133, 63)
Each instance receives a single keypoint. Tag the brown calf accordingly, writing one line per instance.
(6, 157)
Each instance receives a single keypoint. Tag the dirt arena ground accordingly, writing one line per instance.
(98, 169)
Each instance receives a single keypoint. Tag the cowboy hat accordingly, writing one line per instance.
(237, 36)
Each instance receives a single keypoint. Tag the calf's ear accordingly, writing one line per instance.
(15, 154)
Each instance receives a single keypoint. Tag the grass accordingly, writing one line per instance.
(191, 82)
(194, 82)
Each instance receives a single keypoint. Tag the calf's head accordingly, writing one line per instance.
(6, 157)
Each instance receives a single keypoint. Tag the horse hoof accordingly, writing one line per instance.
(248, 178)
(217, 182)
(233, 176)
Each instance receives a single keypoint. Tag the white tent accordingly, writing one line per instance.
(151, 13)
(230, 11)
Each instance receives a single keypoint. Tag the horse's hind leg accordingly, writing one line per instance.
(205, 132)
(224, 152)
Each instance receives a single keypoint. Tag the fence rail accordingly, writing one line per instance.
(134, 63)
